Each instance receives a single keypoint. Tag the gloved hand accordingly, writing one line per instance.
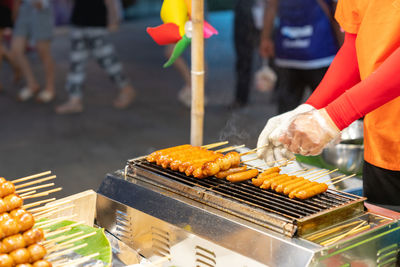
(310, 132)
(272, 149)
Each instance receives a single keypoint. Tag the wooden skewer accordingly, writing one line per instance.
(328, 232)
(38, 203)
(38, 211)
(248, 160)
(52, 249)
(215, 145)
(63, 229)
(65, 251)
(56, 232)
(300, 172)
(62, 238)
(226, 149)
(50, 222)
(45, 213)
(321, 175)
(79, 261)
(316, 172)
(335, 239)
(34, 188)
(342, 179)
(50, 206)
(27, 194)
(254, 150)
(45, 193)
(31, 177)
(36, 182)
(335, 178)
(78, 238)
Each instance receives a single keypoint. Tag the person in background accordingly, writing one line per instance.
(92, 20)
(247, 26)
(299, 35)
(362, 81)
(34, 22)
(6, 23)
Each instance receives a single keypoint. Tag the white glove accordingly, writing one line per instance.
(308, 133)
(272, 149)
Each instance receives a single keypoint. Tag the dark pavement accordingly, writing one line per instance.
(81, 149)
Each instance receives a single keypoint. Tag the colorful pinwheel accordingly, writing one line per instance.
(177, 27)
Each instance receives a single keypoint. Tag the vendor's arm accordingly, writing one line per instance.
(342, 74)
(380, 87)
(309, 132)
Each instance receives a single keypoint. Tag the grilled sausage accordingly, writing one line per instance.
(262, 177)
(224, 174)
(267, 183)
(312, 191)
(194, 152)
(210, 168)
(281, 187)
(231, 159)
(190, 170)
(290, 187)
(305, 186)
(234, 158)
(195, 158)
(271, 170)
(277, 182)
(156, 154)
(166, 156)
(242, 176)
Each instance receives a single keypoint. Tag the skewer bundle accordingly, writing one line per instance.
(202, 162)
(19, 241)
(196, 161)
(22, 241)
(292, 185)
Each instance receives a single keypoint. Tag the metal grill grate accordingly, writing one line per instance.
(253, 196)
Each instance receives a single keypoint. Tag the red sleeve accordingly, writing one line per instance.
(342, 74)
(380, 87)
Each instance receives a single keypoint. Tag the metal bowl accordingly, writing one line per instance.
(354, 133)
(347, 158)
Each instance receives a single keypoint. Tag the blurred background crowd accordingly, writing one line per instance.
(82, 86)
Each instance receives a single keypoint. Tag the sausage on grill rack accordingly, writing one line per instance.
(312, 191)
(293, 193)
(267, 183)
(224, 174)
(290, 187)
(281, 186)
(262, 177)
(165, 160)
(242, 176)
(156, 154)
(231, 159)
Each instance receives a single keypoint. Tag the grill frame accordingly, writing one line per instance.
(243, 200)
